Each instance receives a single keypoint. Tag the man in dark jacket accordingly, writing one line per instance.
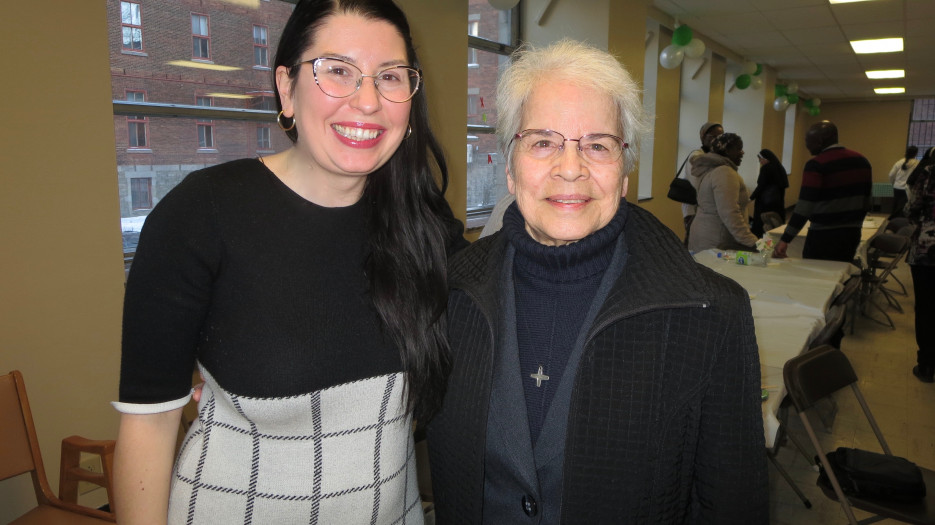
(835, 197)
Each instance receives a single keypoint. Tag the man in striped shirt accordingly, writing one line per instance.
(835, 197)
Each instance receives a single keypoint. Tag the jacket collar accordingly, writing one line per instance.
(659, 272)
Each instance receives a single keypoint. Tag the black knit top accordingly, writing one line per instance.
(264, 288)
(554, 288)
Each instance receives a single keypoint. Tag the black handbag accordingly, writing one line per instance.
(866, 474)
(680, 190)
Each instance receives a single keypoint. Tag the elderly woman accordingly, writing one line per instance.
(721, 218)
(599, 375)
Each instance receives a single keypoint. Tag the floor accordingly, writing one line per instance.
(903, 406)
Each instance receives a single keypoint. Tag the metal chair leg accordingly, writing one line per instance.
(785, 476)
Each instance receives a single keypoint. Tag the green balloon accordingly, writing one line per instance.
(780, 90)
(743, 81)
(682, 35)
(814, 111)
(809, 103)
(759, 69)
(792, 98)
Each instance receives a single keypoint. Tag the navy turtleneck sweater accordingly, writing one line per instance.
(554, 288)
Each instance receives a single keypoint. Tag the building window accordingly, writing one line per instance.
(141, 193)
(493, 35)
(201, 38)
(205, 128)
(132, 25)
(263, 142)
(136, 124)
(260, 47)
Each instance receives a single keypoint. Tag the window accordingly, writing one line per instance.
(205, 128)
(492, 36)
(141, 193)
(132, 25)
(201, 39)
(260, 47)
(136, 124)
(263, 138)
(922, 125)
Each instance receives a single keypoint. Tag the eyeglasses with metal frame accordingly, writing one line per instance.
(340, 79)
(543, 144)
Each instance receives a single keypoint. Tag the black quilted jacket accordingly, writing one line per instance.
(665, 423)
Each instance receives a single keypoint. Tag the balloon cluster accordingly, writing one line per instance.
(749, 76)
(787, 94)
(683, 45)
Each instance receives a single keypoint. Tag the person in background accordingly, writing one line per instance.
(770, 192)
(599, 374)
(721, 219)
(308, 287)
(835, 196)
(921, 259)
(898, 176)
(928, 158)
(709, 131)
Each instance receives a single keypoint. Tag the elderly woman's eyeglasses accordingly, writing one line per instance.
(339, 79)
(599, 148)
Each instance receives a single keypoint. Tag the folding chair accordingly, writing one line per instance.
(884, 252)
(816, 375)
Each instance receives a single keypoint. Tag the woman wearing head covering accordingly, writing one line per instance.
(770, 192)
(721, 219)
(921, 258)
(898, 175)
(599, 374)
(709, 131)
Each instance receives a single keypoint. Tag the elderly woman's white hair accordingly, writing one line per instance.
(571, 61)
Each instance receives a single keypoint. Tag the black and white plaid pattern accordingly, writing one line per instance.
(344, 454)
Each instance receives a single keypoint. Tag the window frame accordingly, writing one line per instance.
(199, 37)
(206, 126)
(134, 182)
(477, 217)
(124, 26)
(137, 120)
(264, 47)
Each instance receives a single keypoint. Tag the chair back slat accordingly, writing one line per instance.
(817, 374)
(15, 451)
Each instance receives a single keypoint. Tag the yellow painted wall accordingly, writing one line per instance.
(61, 269)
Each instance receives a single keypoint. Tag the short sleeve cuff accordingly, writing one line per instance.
(150, 408)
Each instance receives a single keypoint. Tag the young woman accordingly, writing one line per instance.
(309, 289)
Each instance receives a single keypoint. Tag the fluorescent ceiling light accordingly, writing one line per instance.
(888, 91)
(879, 45)
(886, 73)
(229, 95)
(201, 65)
(844, 1)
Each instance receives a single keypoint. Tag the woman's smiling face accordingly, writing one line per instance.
(355, 135)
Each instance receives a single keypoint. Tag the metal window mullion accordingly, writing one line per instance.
(157, 109)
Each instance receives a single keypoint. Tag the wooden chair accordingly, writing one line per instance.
(19, 454)
(817, 374)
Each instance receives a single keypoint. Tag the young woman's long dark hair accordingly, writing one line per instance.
(407, 262)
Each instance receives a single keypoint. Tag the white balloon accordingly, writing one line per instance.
(756, 82)
(503, 4)
(816, 102)
(781, 104)
(748, 68)
(695, 48)
(792, 88)
(672, 56)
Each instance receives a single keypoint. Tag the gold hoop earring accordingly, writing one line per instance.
(408, 132)
(279, 121)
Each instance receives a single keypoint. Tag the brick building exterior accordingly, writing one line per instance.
(190, 52)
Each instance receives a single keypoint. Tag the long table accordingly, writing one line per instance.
(789, 298)
(873, 223)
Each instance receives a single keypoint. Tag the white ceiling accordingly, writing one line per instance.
(807, 41)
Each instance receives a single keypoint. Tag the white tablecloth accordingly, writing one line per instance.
(872, 225)
(789, 298)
